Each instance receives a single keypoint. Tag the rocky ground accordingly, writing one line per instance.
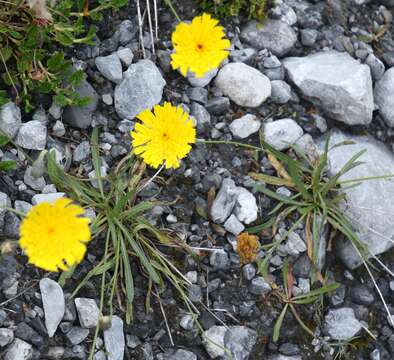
(316, 67)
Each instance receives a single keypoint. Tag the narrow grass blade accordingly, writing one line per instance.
(96, 160)
(299, 183)
(258, 228)
(271, 180)
(128, 276)
(317, 292)
(276, 196)
(278, 324)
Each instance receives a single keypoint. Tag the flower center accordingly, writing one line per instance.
(200, 47)
(50, 230)
(165, 136)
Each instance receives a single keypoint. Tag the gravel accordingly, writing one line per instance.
(282, 133)
(110, 67)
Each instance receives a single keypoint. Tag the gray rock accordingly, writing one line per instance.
(244, 85)
(179, 354)
(88, 312)
(76, 335)
(245, 126)
(194, 293)
(19, 350)
(341, 324)
(10, 119)
(336, 83)
(36, 183)
(141, 89)
(280, 92)
(132, 341)
(58, 129)
(110, 67)
(11, 225)
(127, 31)
(201, 82)
(219, 260)
(6, 337)
(81, 152)
(282, 133)
(100, 355)
(361, 295)
(114, 339)
(258, 286)
(306, 144)
(53, 303)
(126, 56)
(274, 35)
(187, 322)
(224, 202)
(384, 89)
(51, 198)
(233, 225)
(218, 105)
(242, 55)
(32, 135)
(240, 340)
(55, 111)
(249, 271)
(294, 244)
(309, 37)
(81, 116)
(245, 209)
(367, 199)
(5, 202)
(202, 116)
(284, 357)
(197, 94)
(213, 341)
(376, 66)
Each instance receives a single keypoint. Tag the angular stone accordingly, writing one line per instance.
(213, 341)
(88, 312)
(369, 205)
(5, 202)
(240, 340)
(282, 133)
(53, 303)
(141, 89)
(19, 350)
(384, 99)
(114, 339)
(336, 83)
(258, 286)
(224, 202)
(341, 324)
(81, 116)
(245, 126)
(244, 85)
(126, 56)
(273, 35)
(6, 337)
(76, 335)
(233, 225)
(51, 198)
(280, 92)
(10, 119)
(110, 67)
(32, 135)
(245, 209)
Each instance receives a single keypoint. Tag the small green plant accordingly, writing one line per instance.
(6, 165)
(291, 301)
(124, 231)
(28, 56)
(253, 9)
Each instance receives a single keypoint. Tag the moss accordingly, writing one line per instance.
(253, 9)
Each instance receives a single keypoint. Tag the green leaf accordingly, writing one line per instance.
(274, 195)
(317, 292)
(278, 324)
(4, 140)
(55, 61)
(76, 78)
(7, 165)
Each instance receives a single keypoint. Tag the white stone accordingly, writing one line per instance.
(245, 126)
(246, 209)
(281, 134)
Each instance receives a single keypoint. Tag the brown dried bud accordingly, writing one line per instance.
(248, 247)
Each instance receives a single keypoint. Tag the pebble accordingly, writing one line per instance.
(81, 152)
(114, 339)
(6, 337)
(88, 312)
(203, 81)
(58, 129)
(187, 322)
(243, 84)
(194, 293)
(127, 31)
(384, 88)
(126, 56)
(224, 202)
(32, 135)
(76, 335)
(202, 116)
(233, 225)
(19, 350)
(245, 209)
(280, 92)
(213, 341)
(219, 260)
(141, 89)
(245, 126)
(51, 198)
(249, 271)
(376, 66)
(110, 67)
(309, 37)
(361, 295)
(282, 133)
(53, 303)
(132, 341)
(341, 324)
(258, 286)
(10, 119)
(5, 201)
(240, 340)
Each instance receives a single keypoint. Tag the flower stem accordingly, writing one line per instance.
(151, 179)
(235, 143)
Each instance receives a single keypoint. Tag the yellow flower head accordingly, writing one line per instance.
(163, 137)
(199, 46)
(54, 235)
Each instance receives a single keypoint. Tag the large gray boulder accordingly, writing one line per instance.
(335, 83)
(141, 89)
(370, 205)
(275, 35)
(384, 96)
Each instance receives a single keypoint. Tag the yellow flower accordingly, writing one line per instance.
(163, 137)
(199, 46)
(54, 235)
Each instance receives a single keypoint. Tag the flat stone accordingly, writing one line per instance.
(10, 119)
(76, 335)
(384, 100)
(233, 225)
(141, 89)
(110, 67)
(6, 337)
(53, 303)
(81, 152)
(369, 205)
(341, 324)
(114, 339)
(280, 92)
(274, 35)
(258, 286)
(19, 350)
(5, 202)
(213, 341)
(284, 357)
(225, 201)
(51, 198)
(245, 209)
(245, 126)
(281, 134)
(203, 81)
(126, 56)
(88, 312)
(243, 84)
(240, 340)
(81, 116)
(32, 135)
(336, 83)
